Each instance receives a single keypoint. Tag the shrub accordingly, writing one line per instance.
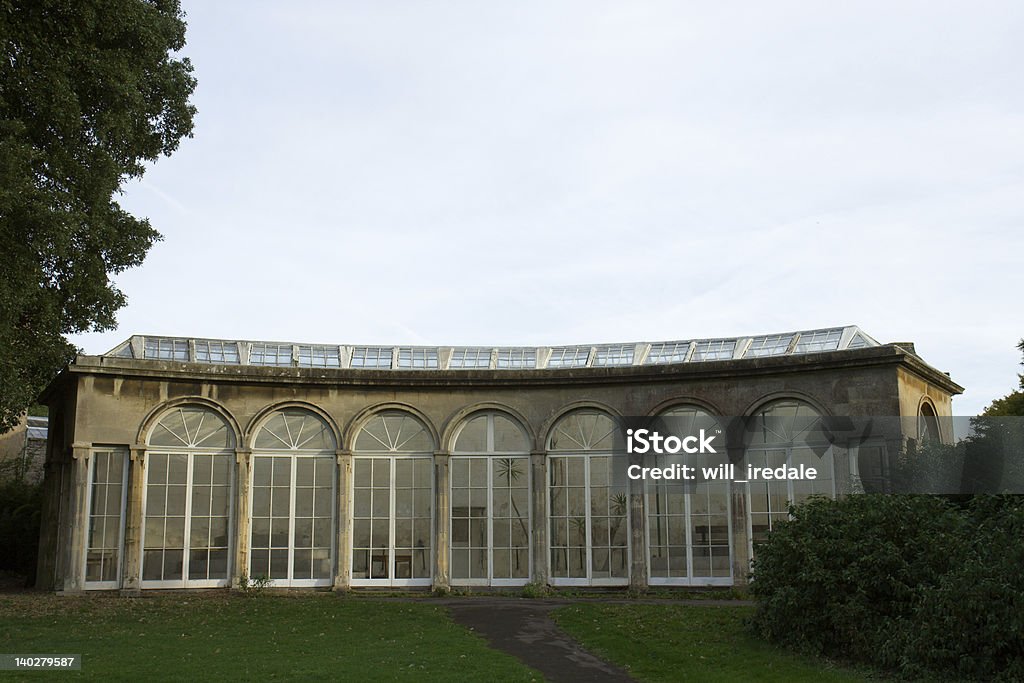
(912, 583)
(21, 505)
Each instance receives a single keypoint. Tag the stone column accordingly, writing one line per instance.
(74, 577)
(343, 553)
(740, 539)
(131, 582)
(442, 516)
(539, 502)
(243, 518)
(637, 525)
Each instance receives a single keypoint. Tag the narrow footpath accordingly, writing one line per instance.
(525, 629)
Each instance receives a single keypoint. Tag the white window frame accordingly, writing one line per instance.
(292, 582)
(116, 583)
(185, 582)
(689, 579)
(788, 448)
(350, 521)
(588, 580)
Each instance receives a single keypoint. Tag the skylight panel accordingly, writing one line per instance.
(714, 349)
(263, 353)
(413, 358)
(569, 357)
(217, 352)
(858, 342)
(124, 352)
(770, 345)
(668, 352)
(821, 340)
(511, 358)
(166, 349)
(319, 356)
(470, 358)
(615, 354)
(371, 357)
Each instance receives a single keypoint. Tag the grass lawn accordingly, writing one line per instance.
(232, 637)
(688, 643)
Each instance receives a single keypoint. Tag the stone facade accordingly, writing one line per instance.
(105, 409)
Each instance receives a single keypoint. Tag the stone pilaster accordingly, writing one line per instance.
(243, 518)
(740, 538)
(442, 517)
(74, 577)
(637, 525)
(131, 577)
(343, 546)
(539, 498)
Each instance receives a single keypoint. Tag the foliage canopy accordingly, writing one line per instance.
(90, 91)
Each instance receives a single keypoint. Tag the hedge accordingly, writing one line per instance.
(919, 585)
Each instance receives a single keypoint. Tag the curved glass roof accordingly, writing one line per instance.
(286, 354)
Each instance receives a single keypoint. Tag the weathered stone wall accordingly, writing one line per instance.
(103, 402)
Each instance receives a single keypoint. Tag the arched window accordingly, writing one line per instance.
(189, 484)
(589, 505)
(490, 499)
(688, 524)
(786, 433)
(292, 502)
(392, 502)
(928, 424)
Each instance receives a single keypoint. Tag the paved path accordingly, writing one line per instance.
(524, 629)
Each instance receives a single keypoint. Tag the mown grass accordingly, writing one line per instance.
(231, 637)
(689, 643)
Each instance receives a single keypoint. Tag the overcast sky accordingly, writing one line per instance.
(562, 172)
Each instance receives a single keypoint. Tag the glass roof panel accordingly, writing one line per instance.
(319, 356)
(217, 352)
(667, 352)
(769, 345)
(476, 357)
(166, 349)
(714, 349)
(371, 357)
(569, 357)
(265, 353)
(414, 358)
(819, 340)
(614, 354)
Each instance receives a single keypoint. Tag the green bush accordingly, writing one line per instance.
(20, 510)
(916, 584)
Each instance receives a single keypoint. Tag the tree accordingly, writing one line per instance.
(1011, 405)
(90, 91)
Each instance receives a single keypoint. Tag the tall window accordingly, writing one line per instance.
(293, 475)
(688, 532)
(928, 425)
(392, 502)
(490, 499)
(189, 467)
(589, 511)
(107, 486)
(786, 433)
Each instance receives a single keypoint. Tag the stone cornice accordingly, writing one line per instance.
(876, 356)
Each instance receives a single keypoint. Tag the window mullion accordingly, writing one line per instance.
(688, 520)
(391, 521)
(187, 539)
(291, 520)
(490, 510)
(588, 536)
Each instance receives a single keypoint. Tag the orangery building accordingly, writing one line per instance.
(201, 463)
